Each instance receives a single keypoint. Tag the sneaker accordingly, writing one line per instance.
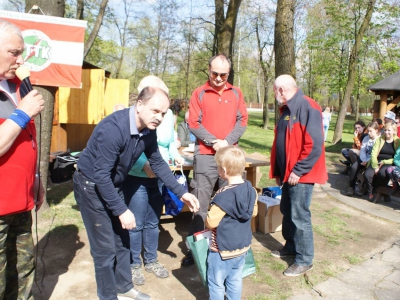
(137, 275)
(345, 162)
(296, 270)
(187, 260)
(371, 198)
(361, 191)
(282, 253)
(350, 191)
(133, 294)
(157, 269)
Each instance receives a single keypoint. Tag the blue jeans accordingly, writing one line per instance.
(326, 128)
(296, 223)
(224, 274)
(146, 203)
(109, 243)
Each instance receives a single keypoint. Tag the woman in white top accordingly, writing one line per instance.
(326, 117)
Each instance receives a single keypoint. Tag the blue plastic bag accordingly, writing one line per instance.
(272, 191)
(173, 205)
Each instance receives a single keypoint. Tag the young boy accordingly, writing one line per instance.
(229, 218)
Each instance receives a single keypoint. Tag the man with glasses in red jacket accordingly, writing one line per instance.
(217, 118)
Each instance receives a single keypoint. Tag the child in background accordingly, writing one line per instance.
(229, 217)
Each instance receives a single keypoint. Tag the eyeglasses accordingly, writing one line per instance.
(215, 75)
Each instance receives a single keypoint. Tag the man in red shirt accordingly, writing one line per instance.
(217, 118)
(20, 184)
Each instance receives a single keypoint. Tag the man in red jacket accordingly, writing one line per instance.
(20, 185)
(217, 118)
(297, 162)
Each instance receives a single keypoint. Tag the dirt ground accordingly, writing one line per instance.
(65, 267)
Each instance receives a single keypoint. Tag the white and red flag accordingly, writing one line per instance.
(53, 47)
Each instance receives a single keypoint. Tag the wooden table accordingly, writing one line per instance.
(253, 162)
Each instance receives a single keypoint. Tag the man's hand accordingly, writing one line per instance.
(147, 169)
(32, 104)
(179, 161)
(128, 220)
(39, 197)
(293, 179)
(278, 181)
(218, 144)
(191, 202)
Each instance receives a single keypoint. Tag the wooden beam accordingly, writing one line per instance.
(394, 103)
(383, 105)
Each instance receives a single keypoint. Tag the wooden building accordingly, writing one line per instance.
(78, 111)
(388, 90)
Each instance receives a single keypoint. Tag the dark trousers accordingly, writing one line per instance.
(17, 266)
(204, 179)
(109, 243)
(354, 169)
(375, 180)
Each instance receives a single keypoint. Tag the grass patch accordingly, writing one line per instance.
(63, 210)
(353, 259)
(334, 228)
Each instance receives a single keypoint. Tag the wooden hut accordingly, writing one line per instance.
(78, 111)
(388, 90)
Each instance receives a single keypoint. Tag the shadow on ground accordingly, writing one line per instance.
(53, 260)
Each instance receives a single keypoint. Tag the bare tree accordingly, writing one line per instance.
(352, 72)
(225, 29)
(96, 27)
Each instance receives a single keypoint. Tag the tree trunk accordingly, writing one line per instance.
(99, 20)
(284, 41)
(79, 9)
(337, 136)
(225, 30)
(45, 124)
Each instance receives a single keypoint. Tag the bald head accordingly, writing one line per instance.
(285, 88)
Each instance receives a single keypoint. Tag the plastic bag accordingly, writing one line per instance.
(173, 205)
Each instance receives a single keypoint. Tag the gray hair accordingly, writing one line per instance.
(148, 92)
(9, 28)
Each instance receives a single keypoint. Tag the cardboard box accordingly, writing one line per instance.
(269, 217)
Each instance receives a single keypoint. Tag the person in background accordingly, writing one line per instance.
(20, 184)
(381, 159)
(217, 118)
(229, 218)
(297, 163)
(380, 123)
(143, 190)
(351, 155)
(397, 120)
(365, 155)
(326, 117)
(176, 107)
(390, 117)
(184, 134)
(113, 148)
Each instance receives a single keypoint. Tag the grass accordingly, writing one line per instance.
(63, 211)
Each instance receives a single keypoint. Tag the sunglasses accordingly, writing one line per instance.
(215, 75)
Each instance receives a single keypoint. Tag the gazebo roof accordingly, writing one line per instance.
(390, 83)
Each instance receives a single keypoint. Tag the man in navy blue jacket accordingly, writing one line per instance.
(112, 150)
